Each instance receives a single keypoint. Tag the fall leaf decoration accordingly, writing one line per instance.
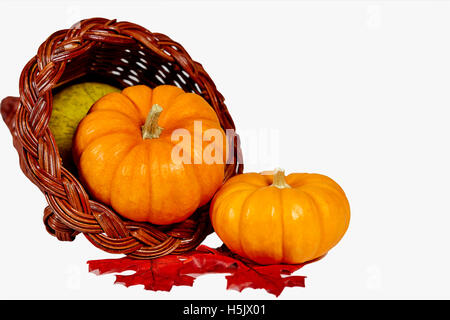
(181, 270)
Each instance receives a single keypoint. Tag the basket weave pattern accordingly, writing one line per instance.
(127, 54)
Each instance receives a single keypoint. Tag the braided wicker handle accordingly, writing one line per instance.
(127, 54)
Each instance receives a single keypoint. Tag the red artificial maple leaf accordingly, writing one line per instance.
(181, 270)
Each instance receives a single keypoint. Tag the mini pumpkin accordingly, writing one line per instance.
(124, 148)
(271, 219)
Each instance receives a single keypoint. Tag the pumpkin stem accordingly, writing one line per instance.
(279, 180)
(150, 129)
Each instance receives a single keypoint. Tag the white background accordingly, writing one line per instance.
(355, 90)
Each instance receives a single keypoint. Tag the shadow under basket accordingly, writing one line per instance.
(122, 54)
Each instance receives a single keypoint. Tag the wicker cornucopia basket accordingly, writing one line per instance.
(122, 54)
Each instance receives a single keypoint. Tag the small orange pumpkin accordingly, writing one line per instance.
(123, 150)
(271, 219)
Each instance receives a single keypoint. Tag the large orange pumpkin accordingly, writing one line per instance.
(270, 218)
(124, 150)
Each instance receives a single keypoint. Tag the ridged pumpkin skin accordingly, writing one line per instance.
(135, 175)
(291, 220)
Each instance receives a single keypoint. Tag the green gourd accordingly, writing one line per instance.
(70, 105)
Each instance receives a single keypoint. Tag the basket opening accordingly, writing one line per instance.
(123, 66)
(126, 66)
